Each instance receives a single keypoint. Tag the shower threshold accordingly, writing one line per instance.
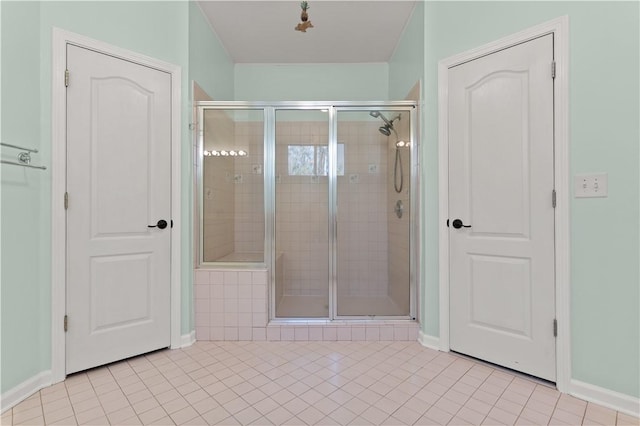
(296, 307)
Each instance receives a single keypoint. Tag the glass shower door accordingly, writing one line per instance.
(373, 214)
(301, 211)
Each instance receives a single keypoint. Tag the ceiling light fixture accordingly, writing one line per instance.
(304, 17)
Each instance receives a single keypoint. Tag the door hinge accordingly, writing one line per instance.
(553, 69)
(66, 78)
(555, 327)
(553, 199)
(66, 200)
(66, 323)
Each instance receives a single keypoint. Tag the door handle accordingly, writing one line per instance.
(161, 224)
(457, 223)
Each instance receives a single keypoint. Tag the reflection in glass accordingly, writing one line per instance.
(232, 186)
(312, 160)
(373, 256)
(302, 215)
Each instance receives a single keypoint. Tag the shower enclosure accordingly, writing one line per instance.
(321, 194)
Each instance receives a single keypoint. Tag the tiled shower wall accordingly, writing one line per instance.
(234, 200)
(232, 305)
(233, 188)
(249, 188)
(362, 258)
(400, 249)
(302, 212)
(399, 228)
(218, 189)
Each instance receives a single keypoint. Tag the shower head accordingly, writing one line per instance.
(385, 130)
(388, 123)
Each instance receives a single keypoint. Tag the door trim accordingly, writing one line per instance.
(60, 39)
(560, 28)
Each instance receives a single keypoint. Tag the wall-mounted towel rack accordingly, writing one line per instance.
(24, 158)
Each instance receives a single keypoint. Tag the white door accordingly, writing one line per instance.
(502, 289)
(118, 183)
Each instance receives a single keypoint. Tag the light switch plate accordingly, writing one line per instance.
(591, 185)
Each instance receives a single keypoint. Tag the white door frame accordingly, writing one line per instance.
(60, 40)
(560, 28)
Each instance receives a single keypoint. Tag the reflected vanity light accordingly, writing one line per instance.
(225, 153)
(401, 144)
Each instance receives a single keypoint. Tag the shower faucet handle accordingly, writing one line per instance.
(399, 209)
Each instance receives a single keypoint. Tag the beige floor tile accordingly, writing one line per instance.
(279, 416)
(374, 415)
(121, 415)
(99, 421)
(91, 414)
(184, 415)
(57, 415)
(407, 416)
(438, 415)
(24, 415)
(216, 415)
(309, 382)
(599, 414)
(626, 420)
(152, 415)
(28, 404)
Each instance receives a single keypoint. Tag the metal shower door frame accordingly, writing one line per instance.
(269, 109)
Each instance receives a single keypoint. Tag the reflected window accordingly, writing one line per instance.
(312, 160)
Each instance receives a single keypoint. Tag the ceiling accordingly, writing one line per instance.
(344, 31)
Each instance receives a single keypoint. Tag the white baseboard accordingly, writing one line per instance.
(188, 339)
(605, 397)
(427, 341)
(24, 390)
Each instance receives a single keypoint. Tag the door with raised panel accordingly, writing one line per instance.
(119, 186)
(502, 288)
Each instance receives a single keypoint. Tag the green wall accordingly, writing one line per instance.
(25, 295)
(604, 69)
(406, 65)
(209, 63)
(160, 29)
(312, 82)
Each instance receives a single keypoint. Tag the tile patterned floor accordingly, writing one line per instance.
(304, 383)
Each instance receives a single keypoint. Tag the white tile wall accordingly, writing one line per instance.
(301, 212)
(232, 305)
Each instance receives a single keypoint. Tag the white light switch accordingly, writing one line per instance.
(591, 185)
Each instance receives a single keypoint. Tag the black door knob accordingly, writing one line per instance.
(161, 224)
(457, 223)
